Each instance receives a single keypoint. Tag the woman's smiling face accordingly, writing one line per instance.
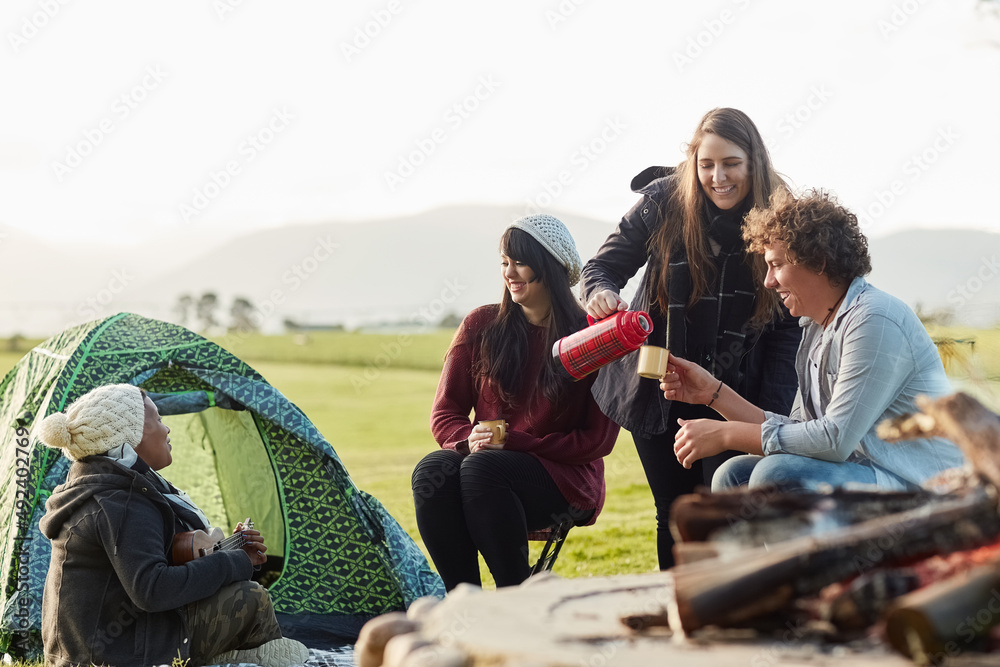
(520, 281)
(723, 171)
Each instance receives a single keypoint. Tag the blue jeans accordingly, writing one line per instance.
(809, 474)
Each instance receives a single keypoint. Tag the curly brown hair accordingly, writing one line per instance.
(819, 233)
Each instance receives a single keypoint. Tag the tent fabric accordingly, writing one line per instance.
(345, 559)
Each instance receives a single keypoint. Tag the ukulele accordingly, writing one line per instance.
(197, 543)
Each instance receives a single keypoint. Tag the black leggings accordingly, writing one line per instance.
(485, 503)
(668, 479)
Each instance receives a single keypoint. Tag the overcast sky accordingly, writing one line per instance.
(132, 120)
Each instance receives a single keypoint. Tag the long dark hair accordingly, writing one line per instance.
(503, 351)
(682, 222)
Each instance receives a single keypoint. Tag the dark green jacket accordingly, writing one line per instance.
(111, 596)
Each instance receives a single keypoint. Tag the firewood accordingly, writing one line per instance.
(946, 618)
(692, 552)
(908, 427)
(959, 418)
(762, 581)
(768, 515)
(862, 603)
(970, 425)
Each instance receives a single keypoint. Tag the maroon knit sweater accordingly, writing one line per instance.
(570, 443)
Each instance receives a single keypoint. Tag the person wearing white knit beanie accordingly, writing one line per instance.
(129, 602)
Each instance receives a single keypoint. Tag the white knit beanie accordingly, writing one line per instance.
(100, 420)
(554, 237)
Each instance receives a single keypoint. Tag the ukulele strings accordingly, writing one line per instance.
(232, 542)
(236, 541)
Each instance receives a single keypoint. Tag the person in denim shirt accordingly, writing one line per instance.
(864, 358)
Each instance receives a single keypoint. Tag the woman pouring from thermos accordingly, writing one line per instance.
(704, 294)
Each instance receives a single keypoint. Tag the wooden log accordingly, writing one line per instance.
(692, 552)
(735, 591)
(767, 515)
(946, 618)
(864, 601)
(908, 427)
(959, 418)
(970, 425)
(762, 581)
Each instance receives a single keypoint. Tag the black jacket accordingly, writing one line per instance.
(111, 597)
(767, 364)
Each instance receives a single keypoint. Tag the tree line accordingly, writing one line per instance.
(204, 311)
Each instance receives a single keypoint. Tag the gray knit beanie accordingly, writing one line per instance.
(98, 421)
(554, 237)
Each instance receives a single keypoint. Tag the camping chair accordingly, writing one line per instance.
(554, 537)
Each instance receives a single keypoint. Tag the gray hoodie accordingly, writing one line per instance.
(111, 595)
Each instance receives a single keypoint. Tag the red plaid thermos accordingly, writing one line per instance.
(602, 342)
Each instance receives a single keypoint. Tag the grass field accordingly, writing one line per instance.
(370, 395)
(381, 430)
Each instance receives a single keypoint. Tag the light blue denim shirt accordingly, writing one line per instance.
(875, 358)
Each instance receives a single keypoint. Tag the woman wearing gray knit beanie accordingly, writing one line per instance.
(114, 593)
(485, 489)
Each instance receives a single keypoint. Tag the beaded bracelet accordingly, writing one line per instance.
(715, 395)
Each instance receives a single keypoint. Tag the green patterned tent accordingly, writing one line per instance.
(340, 557)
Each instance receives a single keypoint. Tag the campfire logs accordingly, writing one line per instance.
(948, 617)
(873, 535)
(766, 579)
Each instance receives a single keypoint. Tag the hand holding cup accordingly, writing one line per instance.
(488, 434)
(687, 382)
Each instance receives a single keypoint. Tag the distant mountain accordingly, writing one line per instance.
(49, 285)
(953, 270)
(412, 269)
(416, 268)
